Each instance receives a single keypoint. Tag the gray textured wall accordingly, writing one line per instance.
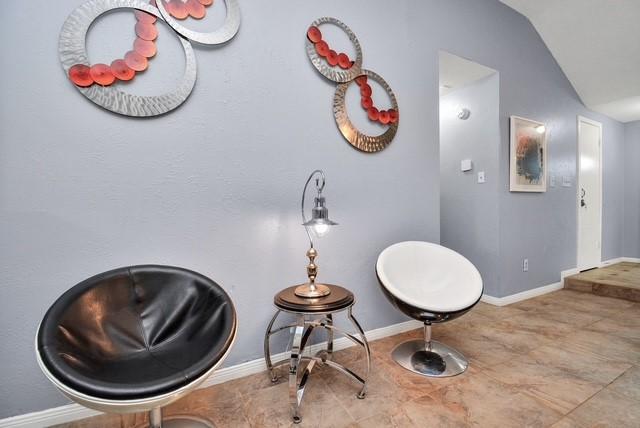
(468, 210)
(632, 190)
(214, 186)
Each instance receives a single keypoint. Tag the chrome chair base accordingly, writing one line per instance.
(156, 420)
(185, 422)
(433, 359)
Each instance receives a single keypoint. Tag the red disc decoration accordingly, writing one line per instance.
(373, 114)
(145, 17)
(121, 70)
(146, 31)
(196, 9)
(101, 74)
(332, 58)
(365, 90)
(79, 75)
(322, 48)
(177, 9)
(135, 61)
(314, 34)
(146, 48)
(344, 61)
(384, 117)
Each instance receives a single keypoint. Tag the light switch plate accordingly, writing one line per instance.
(466, 165)
(481, 178)
(566, 181)
(552, 180)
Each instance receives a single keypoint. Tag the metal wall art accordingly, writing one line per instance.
(341, 69)
(99, 82)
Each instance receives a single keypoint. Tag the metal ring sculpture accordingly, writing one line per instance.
(326, 62)
(95, 82)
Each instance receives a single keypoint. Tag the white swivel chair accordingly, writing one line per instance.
(433, 284)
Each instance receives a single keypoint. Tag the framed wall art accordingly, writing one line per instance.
(528, 156)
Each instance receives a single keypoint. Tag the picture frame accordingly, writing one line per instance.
(527, 155)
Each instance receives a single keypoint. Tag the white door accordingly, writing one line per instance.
(589, 193)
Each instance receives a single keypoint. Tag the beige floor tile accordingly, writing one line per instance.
(218, 405)
(621, 326)
(108, 421)
(384, 420)
(382, 395)
(608, 409)
(560, 378)
(535, 324)
(319, 408)
(479, 345)
(415, 385)
(607, 344)
(254, 382)
(567, 422)
(563, 314)
(496, 312)
(483, 401)
(628, 385)
(427, 412)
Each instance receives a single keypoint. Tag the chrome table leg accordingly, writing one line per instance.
(296, 354)
(267, 350)
(330, 334)
(367, 351)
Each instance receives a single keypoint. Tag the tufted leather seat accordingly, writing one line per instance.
(136, 332)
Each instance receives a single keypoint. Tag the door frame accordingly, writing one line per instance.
(582, 119)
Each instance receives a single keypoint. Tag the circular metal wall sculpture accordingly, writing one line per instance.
(328, 71)
(221, 35)
(339, 68)
(96, 81)
(360, 141)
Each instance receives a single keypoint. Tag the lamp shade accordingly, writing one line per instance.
(319, 221)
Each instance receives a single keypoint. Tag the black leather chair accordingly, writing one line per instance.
(136, 339)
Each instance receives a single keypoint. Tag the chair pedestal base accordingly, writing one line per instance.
(175, 421)
(433, 359)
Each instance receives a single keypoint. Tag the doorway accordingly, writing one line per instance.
(589, 198)
(470, 163)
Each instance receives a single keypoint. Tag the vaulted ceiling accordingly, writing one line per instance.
(597, 45)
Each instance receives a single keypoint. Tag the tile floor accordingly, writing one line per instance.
(565, 359)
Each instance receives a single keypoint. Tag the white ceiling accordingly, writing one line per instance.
(456, 72)
(597, 45)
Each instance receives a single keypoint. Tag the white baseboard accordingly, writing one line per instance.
(507, 300)
(524, 295)
(630, 259)
(74, 412)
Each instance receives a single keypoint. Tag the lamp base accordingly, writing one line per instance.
(311, 291)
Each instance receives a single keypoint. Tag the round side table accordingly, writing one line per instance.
(311, 314)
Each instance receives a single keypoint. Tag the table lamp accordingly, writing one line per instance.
(318, 225)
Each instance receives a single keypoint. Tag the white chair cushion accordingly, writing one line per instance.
(429, 276)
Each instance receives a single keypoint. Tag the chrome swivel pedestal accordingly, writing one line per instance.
(313, 314)
(175, 421)
(429, 358)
